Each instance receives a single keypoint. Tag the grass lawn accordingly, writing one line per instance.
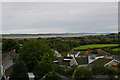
(82, 47)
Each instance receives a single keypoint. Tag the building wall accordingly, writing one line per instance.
(73, 62)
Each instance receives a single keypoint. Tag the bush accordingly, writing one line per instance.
(82, 73)
(110, 71)
(70, 71)
(52, 76)
(59, 69)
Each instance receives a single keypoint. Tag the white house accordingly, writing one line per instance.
(79, 61)
(73, 54)
(57, 54)
(92, 57)
(31, 76)
(104, 62)
(112, 63)
(6, 63)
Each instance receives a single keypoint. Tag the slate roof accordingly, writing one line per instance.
(8, 71)
(13, 56)
(117, 57)
(100, 62)
(82, 60)
(59, 59)
(73, 52)
(7, 58)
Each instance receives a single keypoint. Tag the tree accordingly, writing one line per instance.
(82, 73)
(32, 53)
(19, 72)
(9, 44)
(62, 47)
(70, 71)
(52, 76)
(59, 69)
(43, 67)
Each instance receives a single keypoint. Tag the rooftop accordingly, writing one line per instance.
(100, 61)
(82, 60)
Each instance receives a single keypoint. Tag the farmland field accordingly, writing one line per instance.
(94, 46)
(116, 49)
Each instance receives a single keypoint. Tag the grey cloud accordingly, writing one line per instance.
(25, 17)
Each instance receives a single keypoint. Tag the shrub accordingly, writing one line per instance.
(52, 76)
(82, 73)
(59, 69)
(70, 71)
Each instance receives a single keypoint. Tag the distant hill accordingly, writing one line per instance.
(57, 33)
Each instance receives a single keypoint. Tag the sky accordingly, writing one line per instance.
(59, 17)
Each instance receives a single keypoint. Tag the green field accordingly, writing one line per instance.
(83, 47)
(116, 49)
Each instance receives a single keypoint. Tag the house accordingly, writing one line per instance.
(57, 54)
(31, 76)
(67, 59)
(58, 60)
(96, 54)
(73, 54)
(79, 61)
(117, 57)
(93, 57)
(104, 62)
(6, 64)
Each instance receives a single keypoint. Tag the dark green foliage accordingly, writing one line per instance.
(9, 44)
(53, 76)
(19, 72)
(82, 73)
(43, 67)
(70, 71)
(97, 70)
(110, 71)
(59, 69)
(62, 47)
(119, 66)
(73, 44)
(32, 53)
(119, 70)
